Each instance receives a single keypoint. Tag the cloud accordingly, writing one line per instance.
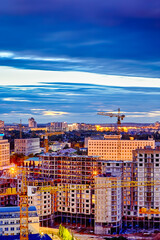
(37, 109)
(6, 55)
(150, 114)
(16, 114)
(12, 76)
(54, 113)
(10, 99)
(15, 56)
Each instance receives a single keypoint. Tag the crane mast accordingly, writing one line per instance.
(23, 207)
(119, 117)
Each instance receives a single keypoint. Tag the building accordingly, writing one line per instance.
(146, 169)
(27, 146)
(32, 123)
(10, 221)
(1, 124)
(8, 183)
(107, 148)
(43, 201)
(58, 126)
(73, 175)
(73, 127)
(56, 146)
(4, 153)
(108, 204)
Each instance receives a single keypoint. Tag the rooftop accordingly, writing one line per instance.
(31, 237)
(33, 159)
(15, 209)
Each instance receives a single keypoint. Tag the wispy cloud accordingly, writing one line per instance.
(10, 99)
(16, 114)
(150, 114)
(15, 56)
(37, 109)
(54, 113)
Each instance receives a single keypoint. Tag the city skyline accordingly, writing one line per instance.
(66, 61)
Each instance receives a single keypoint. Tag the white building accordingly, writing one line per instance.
(10, 221)
(108, 204)
(27, 146)
(44, 203)
(32, 123)
(148, 170)
(107, 148)
(59, 146)
(4, 153)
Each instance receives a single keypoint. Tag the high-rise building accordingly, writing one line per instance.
(74, 177)
(27, 146)
(32, 123)
(4, 153)
(107, 148)
(146, 169)
(108, 204)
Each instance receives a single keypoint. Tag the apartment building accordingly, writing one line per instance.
(115, 149)
(27, 146)
(58, 126)
(10, 221)
(32, 123)
(74, 177)
(147, 169)
(4, 153)
(108, 204)
(43, 200)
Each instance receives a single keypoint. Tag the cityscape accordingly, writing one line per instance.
(93, 180)
(79, 120)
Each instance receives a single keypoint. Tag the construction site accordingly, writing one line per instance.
(99, 195)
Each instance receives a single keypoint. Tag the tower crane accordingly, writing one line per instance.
(20, 128)
(119, 117)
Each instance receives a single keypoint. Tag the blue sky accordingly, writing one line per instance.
(64, 60)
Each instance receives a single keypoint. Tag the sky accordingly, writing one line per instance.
(64, 60)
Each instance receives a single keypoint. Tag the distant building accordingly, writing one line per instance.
(10, 220)
(32, 123)
(107, 148)
(27, 146)
(58, 126)
(1, 124)
(59, 146)
(73, 126)
(4, 152)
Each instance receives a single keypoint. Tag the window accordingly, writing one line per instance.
(12, 228)
(6, 229)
